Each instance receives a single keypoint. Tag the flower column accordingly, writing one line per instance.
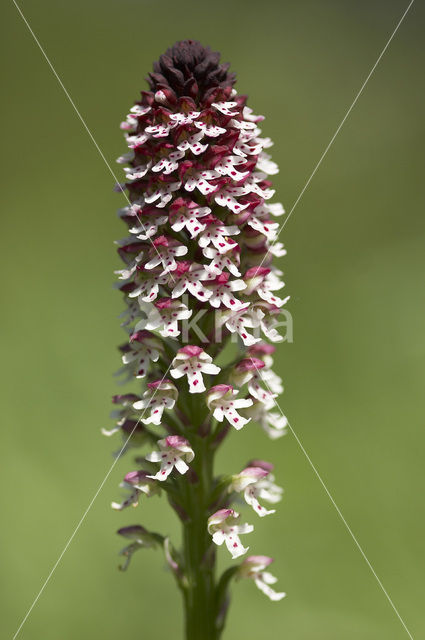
(199, 250)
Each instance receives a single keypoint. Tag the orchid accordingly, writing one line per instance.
(223, 526)
(253, 567)
(255, 482)
(192, 361)
(173, 451)
(160, 395)
(221, 400)
(198, 273)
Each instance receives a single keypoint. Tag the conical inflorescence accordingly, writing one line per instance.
(198, 275)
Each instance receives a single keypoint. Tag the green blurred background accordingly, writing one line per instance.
(353, 376)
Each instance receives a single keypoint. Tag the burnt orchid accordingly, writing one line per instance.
(198, 275)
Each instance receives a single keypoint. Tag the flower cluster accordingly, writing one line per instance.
(201, 241)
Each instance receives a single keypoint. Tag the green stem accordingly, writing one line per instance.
(199, 554)
(201, 606)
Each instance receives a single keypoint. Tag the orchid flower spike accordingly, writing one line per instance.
(199, 270)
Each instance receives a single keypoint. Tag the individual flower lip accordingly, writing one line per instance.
(166, 251)
(217, 234)
(255, 483)
(192, 361)
(229, 260)
(241, 320)
(144, 348)
(189, 277)
(222, 289)
(264, 282)
(160, 395)
(173, 451)
(221, 400)
(164, 316)
(147, 283)
(223, 526)
(187, 214)
(254, 567)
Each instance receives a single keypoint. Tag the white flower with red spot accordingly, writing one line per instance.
(164, 252)
(254, 567)
(246, 125)
(187, 214)
(210, 130)
(144, 347)
(135, 173)
(164, 315)
(192, 361)
(162, 194)
(226, 197)
(241, 320)
(189, 276)
(139, 111)
(147, 284)
(263, 384)
(193, 144)
(229, 260)
(248, 145)
(158, 130)
(222, 289)
(259, 388)
(254, 184)
(222, 402)
(159, 395)
(199, 180)
(184, 118)
(224, 527)
(135, 141)
(169, 163)
(226, 108)
(266, 227)
(226, 167)
(174, 452)
(217, 233)
(255, 484)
